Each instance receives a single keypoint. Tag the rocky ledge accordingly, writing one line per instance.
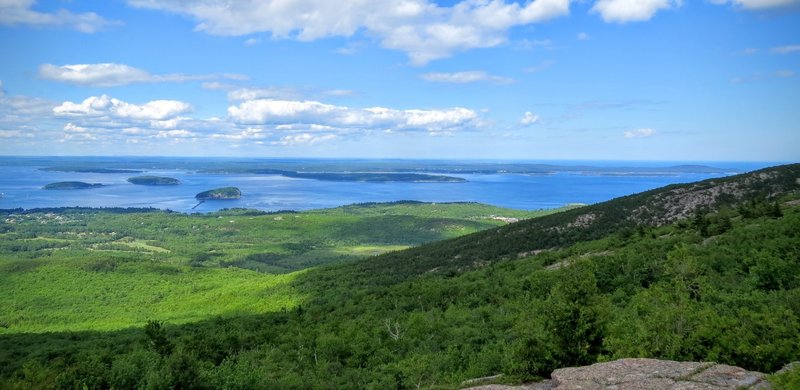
(651, 374)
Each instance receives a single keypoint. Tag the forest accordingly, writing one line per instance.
(639, 276)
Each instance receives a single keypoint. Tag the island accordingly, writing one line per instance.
(153, 181)
(71, 185)
(223, 193)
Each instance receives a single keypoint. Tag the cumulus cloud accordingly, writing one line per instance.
(288, 112)
(758, 5)
(239, 93)
(111, 75)
(529, 118)
(105, 106)
(465, 77)
(304, 138)
(175, 134)
(421, 28)
(786, 49)
(640, 133)
(15, 12)
(623, 11)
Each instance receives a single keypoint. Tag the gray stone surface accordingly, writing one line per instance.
(646, 374)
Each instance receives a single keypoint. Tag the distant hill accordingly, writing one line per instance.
(652, 208)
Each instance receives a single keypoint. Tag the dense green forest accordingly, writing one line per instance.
(220, 193)
(708, 271)
(71, 185)
(153, 181)
(91, 269)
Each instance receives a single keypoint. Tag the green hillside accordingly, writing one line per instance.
(707, 271)
(94, 269)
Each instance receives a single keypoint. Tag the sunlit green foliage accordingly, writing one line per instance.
(520, 300)
(80, 269)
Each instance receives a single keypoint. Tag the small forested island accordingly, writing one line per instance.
(153, 181)
(71, 185)
(220, 193)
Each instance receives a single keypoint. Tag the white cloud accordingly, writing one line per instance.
(111, 75)
(248, 133)
(175, 134)
(243, 94)
(786, 49)
(2, 92)
(582, 36)
(14, 12)
(623, 11)
(784, 73)
(422, 29)
(72, 128)
(288, 112)
(640, 133)
(238, 93)
(758, 5)
(105, 106)
(465, 77)
(304, 138)
(338, 92)
(529, 118)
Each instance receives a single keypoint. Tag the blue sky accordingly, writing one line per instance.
(702, 80)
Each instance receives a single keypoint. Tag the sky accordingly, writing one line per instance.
(666, 80)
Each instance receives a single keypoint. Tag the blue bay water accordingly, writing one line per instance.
(21, 187)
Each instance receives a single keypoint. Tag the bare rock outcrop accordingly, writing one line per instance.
(649, 374)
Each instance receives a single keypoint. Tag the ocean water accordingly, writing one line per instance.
(21, 187)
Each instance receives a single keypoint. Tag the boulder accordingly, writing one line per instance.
(646, 374)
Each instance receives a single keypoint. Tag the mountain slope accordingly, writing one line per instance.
(721, 286)
(618, 216)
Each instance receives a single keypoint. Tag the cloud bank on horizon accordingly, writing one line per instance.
(300, 77)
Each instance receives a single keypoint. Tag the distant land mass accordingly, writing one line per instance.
(223, 193)
(294, 166)
(366, 176)
(88, 170)
(71, 185)
(153, 181)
